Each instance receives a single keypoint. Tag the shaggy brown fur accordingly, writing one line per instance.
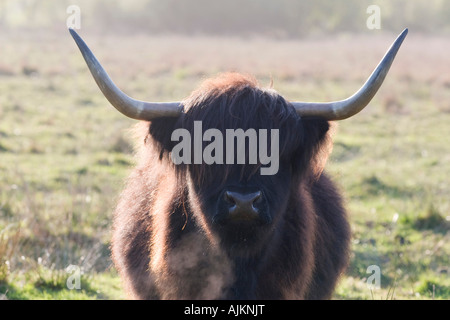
(165, 245)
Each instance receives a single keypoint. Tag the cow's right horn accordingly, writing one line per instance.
(139, 110)
(339, 110)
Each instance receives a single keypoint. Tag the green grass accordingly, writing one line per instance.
(64, 152)
(52, 285)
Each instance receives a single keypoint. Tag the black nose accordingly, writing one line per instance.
(243, 206)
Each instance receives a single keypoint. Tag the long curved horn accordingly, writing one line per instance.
(344, 109)
(139, 110)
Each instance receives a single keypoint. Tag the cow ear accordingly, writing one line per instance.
(160, 133)
(314, 148)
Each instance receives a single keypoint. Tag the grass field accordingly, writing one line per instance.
(64, 151)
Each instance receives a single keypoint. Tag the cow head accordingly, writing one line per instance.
(239, 202)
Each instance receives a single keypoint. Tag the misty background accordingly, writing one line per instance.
(278, 19)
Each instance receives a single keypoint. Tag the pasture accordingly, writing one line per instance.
(65, 152)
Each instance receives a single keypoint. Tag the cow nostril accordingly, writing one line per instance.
(229, 198)
(258, 197)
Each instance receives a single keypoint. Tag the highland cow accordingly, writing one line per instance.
(223, 230)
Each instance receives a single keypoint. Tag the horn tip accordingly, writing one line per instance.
(398, 42)
(74, 35)
(403, 34)
(72, 31)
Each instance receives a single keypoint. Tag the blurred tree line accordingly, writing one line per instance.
(277, 18)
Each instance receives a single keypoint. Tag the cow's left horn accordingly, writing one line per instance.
(130, 107)
(344, 109)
